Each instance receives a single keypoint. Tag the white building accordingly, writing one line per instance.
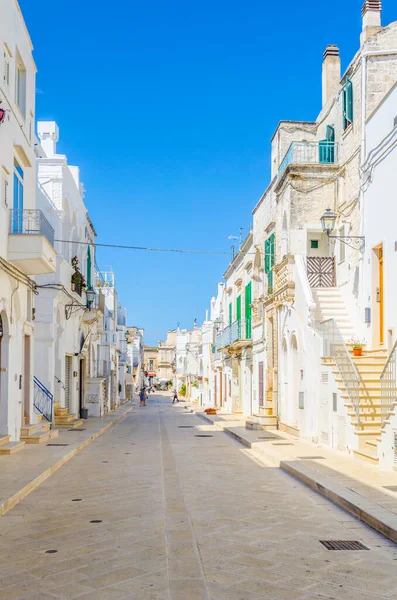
(379, 289)
(26, 237)
(68, 326)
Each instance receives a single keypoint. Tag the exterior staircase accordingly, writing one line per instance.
(330, 305)
(39, 433)
(369, 366)
(264, 419)
(66, 420)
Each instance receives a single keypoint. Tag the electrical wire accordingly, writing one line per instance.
(123, 247)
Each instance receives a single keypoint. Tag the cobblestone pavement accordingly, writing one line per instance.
(150, 511)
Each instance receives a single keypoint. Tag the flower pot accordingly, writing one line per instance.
(357, 351)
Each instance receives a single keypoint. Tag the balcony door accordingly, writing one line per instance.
(238, 314)
(18, 198)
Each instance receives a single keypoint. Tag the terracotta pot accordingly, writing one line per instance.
(357, 351)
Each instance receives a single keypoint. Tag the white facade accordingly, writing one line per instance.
(67, 334)
(26, 246)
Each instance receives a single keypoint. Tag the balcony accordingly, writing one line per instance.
(31, 242)
(235, 336)
(310, 153)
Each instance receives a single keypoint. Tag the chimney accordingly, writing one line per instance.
(371, 15)
(48, 133)
(331, 72)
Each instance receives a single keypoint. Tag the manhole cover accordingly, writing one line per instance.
(185, 426)
(343, 545)
(96, 521)
(76, 429)
(51, 551)
(310, 457)
(282, 444)
(77, 499)
(203, 436)
(57, 444)
(391, 488)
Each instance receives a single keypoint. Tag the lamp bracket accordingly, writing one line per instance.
(357, 242)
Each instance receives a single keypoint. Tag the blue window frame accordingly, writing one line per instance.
(18, 198)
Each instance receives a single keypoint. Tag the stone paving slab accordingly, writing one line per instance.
(353, 485)
(21, 473)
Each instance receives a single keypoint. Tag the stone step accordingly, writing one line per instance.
(11, 448)
(74, 424)
(36, 438)
(64, 418)
(59, 412)
(367, 456)
(28, 429)
(376, 423)
(266, 411)
(4, 439)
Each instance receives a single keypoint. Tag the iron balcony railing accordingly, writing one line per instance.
(42, 400)
(335, 347)
(388, 386)
(28, 221)
(238, 330)
(309, 153)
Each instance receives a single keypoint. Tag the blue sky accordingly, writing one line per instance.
(168, 109)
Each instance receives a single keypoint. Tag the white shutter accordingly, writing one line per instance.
(68, 374)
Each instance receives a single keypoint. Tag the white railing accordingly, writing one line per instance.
(309, 153)
(238, 330)
(335, 347)
(388, 386)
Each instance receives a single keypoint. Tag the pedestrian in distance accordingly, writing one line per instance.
(175, 397)
(142, 397)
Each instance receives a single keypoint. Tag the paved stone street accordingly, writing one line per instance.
(150, 511)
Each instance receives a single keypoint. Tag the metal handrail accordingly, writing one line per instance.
(388, 385)
(335, 347)
(28, 221)
(43, 400)
(321, 152)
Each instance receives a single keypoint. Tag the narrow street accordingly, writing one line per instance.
(163, 506)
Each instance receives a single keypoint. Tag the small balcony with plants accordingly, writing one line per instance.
(78, 283)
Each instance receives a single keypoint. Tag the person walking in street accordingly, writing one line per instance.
(142, 397)
(175, 397)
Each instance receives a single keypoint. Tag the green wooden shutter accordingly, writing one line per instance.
(326, 148)
(347, 103)
(248, 310)
(230, 313)
(269, 261)
(89, 269)
(238, 308)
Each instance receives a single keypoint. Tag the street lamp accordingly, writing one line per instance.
(90, 294)
(328, 221)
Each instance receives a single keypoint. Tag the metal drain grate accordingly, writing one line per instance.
(203, 436)
(343, 545)
(76, 429)
(282, 444)
(77, 499)
(185, 426)
(310, 457)
(51, 551)
(391, 488)
(57, 444)
(96, 521)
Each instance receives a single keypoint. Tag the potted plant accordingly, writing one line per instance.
(357, 346)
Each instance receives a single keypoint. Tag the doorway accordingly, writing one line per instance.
(81, 384)
(378, 324)
(26, 385)
(381, 304)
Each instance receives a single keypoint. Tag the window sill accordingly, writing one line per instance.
(347, 131)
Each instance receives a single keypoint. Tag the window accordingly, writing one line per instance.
(314, 244)
(326, 148)
(20, 92)
(342, 247)
(230, 313)
(347, 103)
(6, 67)
(151, 364)
(335, 402)
(18, 198)
(269, 262)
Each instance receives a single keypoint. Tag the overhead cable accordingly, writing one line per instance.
(177, 250)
